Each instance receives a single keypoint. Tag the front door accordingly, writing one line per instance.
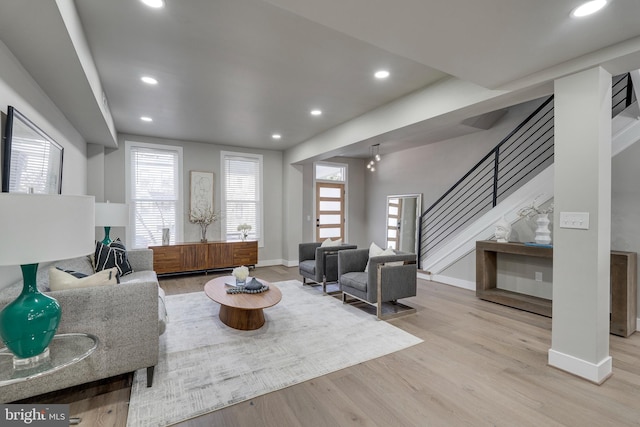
(329, 211)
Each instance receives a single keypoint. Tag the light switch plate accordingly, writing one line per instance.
(577, 220)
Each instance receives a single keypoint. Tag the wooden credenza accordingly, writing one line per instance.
(623, 283)
(212, 255)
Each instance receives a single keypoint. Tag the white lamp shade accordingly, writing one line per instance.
(37, 228)
(112, 214)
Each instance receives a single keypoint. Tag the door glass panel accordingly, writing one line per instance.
(330, 206)
(329, 232)
(330, 219)
(334, 193)
(392, 233)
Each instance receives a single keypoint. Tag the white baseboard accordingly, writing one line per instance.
(272, 262)
(596, 373)
(453, 281)
(425, 276)
(269, 262)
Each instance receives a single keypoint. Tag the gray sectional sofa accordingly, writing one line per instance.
(127, 318)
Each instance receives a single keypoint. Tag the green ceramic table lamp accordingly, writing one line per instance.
(111, 215)
(37, 228)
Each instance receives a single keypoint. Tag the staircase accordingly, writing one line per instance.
(516, 171)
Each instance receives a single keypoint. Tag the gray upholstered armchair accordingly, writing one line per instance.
(388, 278)
(319, 264)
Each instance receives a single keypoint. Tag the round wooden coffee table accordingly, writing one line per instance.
(241, 311)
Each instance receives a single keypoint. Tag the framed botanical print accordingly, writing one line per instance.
(201, 193)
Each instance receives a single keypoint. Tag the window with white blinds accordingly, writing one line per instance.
(154, 193)
(242, 194)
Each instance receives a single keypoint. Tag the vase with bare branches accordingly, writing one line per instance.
(542, 232)
(204, 218)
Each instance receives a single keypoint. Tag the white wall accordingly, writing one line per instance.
(206, 157)
(308, 207)
(625, 202)
(19, 90)
(432, 169)
(292, 208)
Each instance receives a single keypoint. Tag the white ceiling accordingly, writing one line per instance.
(235, 71)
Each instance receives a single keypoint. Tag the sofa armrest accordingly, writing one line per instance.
(307, 251)
(408, 259)
(119, 315)
(141, 259)
(124, 317)
(323, 250)
(327, 260)
(397, 282)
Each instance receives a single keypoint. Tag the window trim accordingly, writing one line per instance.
(128, 145)
(343, 166)
(223, 191)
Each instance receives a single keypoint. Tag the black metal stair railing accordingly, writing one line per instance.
(622, 94)
(524, 153)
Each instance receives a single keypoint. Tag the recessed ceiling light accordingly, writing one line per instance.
(149, 80)
(157, 4)
(276, 136)
(588, 8)
(146, 119)
(316, 112)
(382, 74)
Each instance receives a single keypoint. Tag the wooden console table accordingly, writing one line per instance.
(623, 283)
(212, 255)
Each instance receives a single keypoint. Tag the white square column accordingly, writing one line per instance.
(581, 258)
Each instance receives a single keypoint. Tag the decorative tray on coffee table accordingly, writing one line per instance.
(253, 286)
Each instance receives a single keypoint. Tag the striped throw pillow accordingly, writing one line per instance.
(112, 255)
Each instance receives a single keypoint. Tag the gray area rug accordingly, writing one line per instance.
(205, 365)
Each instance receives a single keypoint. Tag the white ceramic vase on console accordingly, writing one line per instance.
(543, 234)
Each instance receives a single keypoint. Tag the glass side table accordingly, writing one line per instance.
(64, 350)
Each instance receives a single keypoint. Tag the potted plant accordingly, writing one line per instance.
(244, 230)
(204, 218)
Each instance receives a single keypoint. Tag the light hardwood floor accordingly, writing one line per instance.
(481, 364)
